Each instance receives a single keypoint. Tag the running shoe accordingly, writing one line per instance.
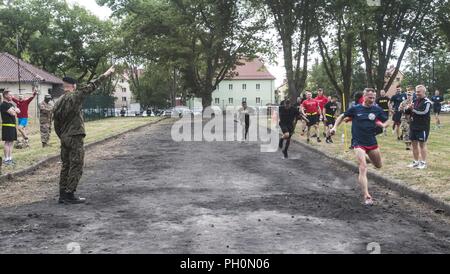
(414, 164)
(318, 140)
(422, 165)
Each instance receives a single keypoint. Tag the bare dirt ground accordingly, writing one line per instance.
(148, 194)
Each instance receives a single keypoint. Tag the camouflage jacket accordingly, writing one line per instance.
(406, 114)
(45, 113)
(67, 114)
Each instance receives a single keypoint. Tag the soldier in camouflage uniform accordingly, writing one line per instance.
(45, 119)
(69, 126)
(406, 118)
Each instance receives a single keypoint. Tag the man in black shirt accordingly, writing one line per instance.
(383, 102)
(437, 100)
(395, 102)
(420, 127)
(288, 117)
(9, 131)
(329, 117)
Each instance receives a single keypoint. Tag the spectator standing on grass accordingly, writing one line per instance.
(69, 126)
(437, 100)
(23, 105)
(420, 127)
(9, 114)
(406, 118)
(45, 120)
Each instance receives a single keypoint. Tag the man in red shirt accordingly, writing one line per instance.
(311, 109)
(322, 100)
(22, 105)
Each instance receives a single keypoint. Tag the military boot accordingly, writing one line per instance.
(70, 198)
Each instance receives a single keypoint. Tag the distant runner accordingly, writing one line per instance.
(322, 99)
(329, 116)
(311, 109)
(383, 102)
(437, 100)
(395, 102)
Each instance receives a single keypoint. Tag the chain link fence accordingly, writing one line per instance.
(97, 107)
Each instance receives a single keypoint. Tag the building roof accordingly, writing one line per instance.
(28, 72)
(251, 70)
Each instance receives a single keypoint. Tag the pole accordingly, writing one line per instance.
(18, 63)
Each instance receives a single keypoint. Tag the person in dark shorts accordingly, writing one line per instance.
(383, 102)
(244, 117)
(329, 116)
(420, 128)
(395, 102)
(365, 120)
(437, 100)
(9, 114)
(311, 109)
(322, 99)
(288, 117)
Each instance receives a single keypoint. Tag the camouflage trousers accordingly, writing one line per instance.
(46, 131)
(405, 131)
(72, 157)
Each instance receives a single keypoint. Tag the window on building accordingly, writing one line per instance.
(124, 90)
(124, 99)
(216, 101)
(244, 99)
(230, 86)
(244, 86)
(230, 100)
(258, 100)
(258, 86)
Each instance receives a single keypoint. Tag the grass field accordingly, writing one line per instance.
(96, 130)
(435, 180)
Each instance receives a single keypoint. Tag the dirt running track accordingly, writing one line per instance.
(148, 194)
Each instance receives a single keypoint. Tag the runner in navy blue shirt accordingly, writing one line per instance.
(437, 100)
(365, 120)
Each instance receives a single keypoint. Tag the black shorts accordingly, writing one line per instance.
(397, 117)
(287, 129)
(313, 120)
(419, 135)
(9, 134)
(330, 121)
(437, 110)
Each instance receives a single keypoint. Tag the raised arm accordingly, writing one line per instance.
(93, 85)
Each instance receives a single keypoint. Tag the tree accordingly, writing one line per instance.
(203, 39)
(336, 38)
(293, 20)
(56, 37)
(383, 28)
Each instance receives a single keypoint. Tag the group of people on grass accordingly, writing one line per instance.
(15, 119)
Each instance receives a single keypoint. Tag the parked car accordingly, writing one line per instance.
(445, 108)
